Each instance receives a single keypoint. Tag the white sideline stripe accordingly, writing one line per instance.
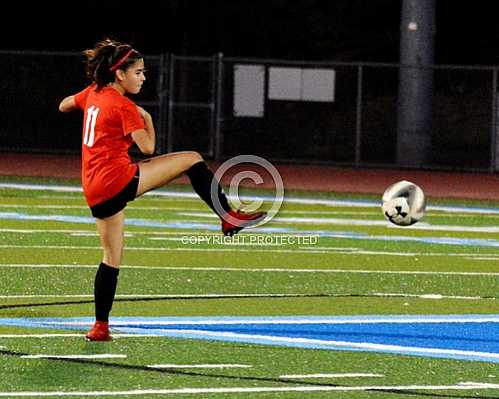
(357, 251)
(343, 344)
(342, 221)
(190, 391)
(180, 234)
(291, 200)
(47, 266)
(178, 249)
(66, 231)
(187, 211)
(94, 234)
(359, 222)
(270, 320)
(155, 208)
(255, 270)
(208, 296)
(153, 233)
(150, 296)
(425, 296)
(333, 375)
(16, 206)
(309, 250)
(471, 383)
(21, 186)
(238, 244)
(198, 366)
(75, 335)
(181, 238)
(98, 356)
(463, 213)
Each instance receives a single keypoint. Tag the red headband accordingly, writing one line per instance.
(121, 60)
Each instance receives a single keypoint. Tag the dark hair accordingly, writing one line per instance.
(106, 57)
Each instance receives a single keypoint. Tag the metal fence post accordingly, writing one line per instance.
(171, 73)
(163, 91)
(494, 142)
(416, 87)
(219, 107)
(358, 118)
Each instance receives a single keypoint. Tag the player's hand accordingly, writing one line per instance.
(143, 113)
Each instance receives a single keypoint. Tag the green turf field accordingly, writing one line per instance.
(322, 255)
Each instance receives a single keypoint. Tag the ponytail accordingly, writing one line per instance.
(106, 58)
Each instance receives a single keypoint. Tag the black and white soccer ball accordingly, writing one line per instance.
(404, 203)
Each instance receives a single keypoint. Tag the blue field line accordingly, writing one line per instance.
(171, 193)
(474, 242)
(463, 337)
(129, 222)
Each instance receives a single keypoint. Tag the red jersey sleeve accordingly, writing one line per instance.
(81, 97)
(130, 118)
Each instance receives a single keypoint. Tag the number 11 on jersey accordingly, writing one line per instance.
(88, 137)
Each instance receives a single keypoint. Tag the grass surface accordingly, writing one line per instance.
(347, 261)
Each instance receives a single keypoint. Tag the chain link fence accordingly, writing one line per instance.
(222, 107)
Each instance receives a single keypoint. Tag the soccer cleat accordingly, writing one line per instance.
(99, 332)
(239, 220)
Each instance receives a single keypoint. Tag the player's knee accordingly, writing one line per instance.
(195, 157)
(113, 260)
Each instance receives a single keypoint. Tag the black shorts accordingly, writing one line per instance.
(118, 202)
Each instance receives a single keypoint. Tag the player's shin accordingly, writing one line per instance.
(106, 280)
(201, 178)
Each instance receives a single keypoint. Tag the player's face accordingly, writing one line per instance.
(134, 77)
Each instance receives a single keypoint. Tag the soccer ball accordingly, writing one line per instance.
(404, 203)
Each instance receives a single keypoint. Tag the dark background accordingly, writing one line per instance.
(463, 131)
(467, 32)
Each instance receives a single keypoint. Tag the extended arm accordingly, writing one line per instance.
(68, 104)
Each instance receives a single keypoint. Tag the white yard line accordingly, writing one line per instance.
(358, 222)
(357, 251)
(333, 375)
(425, 296)
(97, 356)
(215, 390)
(238, 295)
(278, 243)
(34, 206)
(338, 344)
(135, 207)
(159, 249)
(238, 247)
(232, 248)
(253, 270)
(284, 321)
(73, 335)
(41, 335)
(185, 195)
(188, 211)
(66, 231)
(198, 366)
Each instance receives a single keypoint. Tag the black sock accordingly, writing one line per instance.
(201, 177)
(106, 280)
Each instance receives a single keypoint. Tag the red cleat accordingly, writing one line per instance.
(99, 332)
(234, 221)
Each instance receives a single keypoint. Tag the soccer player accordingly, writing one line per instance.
(112, 123)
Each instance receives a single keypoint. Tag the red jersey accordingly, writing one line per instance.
(109, 118)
